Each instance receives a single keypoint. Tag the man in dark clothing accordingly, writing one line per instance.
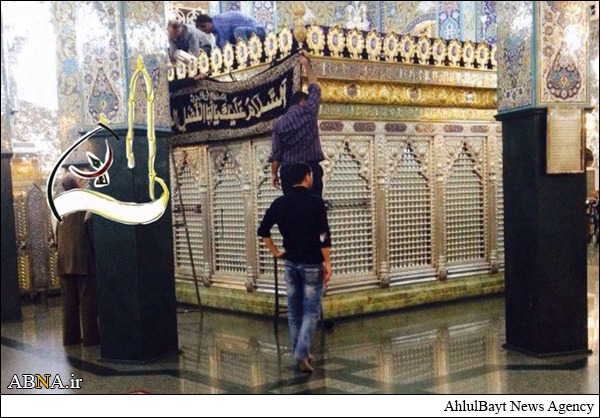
(296, 136)
(302, 221)
(75, 265)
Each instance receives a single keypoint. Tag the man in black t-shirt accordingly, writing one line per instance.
(302, 220)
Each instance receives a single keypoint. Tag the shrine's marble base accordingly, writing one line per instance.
(353, 303)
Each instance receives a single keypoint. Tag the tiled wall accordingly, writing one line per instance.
(487, 21)
(265, 12)
(5, 141)
(562, 53)
(451, 19)
(404, 16)
(144, 32)
(98, 45)
(592, 127)
(94, 43)
(27, 45)
(515, 56)
(101, 57)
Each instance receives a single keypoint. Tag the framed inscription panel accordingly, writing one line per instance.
(565, 141)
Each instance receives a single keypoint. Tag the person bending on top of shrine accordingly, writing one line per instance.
(185, 41)
(230, 26)
(296, 136)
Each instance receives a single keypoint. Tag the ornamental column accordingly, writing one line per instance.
(98, 44)
(542, 92)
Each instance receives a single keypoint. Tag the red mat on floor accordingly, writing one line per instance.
(138, 392)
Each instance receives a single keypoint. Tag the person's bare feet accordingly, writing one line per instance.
(304, 367)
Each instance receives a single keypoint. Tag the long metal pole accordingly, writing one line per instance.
(276, 318)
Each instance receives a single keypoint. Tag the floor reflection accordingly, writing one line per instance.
(405, 352)
(452, 348)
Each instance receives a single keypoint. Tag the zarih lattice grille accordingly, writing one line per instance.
(500, 216)
(192, 206)
(265, 195)
(409, 214)
(228, 217)
(350, 212)
(465, 239)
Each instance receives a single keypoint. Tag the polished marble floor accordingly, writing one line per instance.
(451, 348)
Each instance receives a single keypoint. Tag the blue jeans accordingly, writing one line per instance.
(304, 292)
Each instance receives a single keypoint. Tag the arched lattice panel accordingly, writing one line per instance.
(265, 195)
(464, 212)
(349, 196)
(228, 214)
(408, 210)
(190, 212)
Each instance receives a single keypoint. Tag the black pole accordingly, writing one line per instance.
(276, 316)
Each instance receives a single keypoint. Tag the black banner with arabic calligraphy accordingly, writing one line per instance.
(213, 110)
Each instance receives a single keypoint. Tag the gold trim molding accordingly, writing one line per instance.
(344, 69)
(340, 111)
(349, 45)
(367, 92)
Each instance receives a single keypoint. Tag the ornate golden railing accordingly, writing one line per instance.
(335, 42)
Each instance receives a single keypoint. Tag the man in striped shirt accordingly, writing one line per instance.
(296, 136)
